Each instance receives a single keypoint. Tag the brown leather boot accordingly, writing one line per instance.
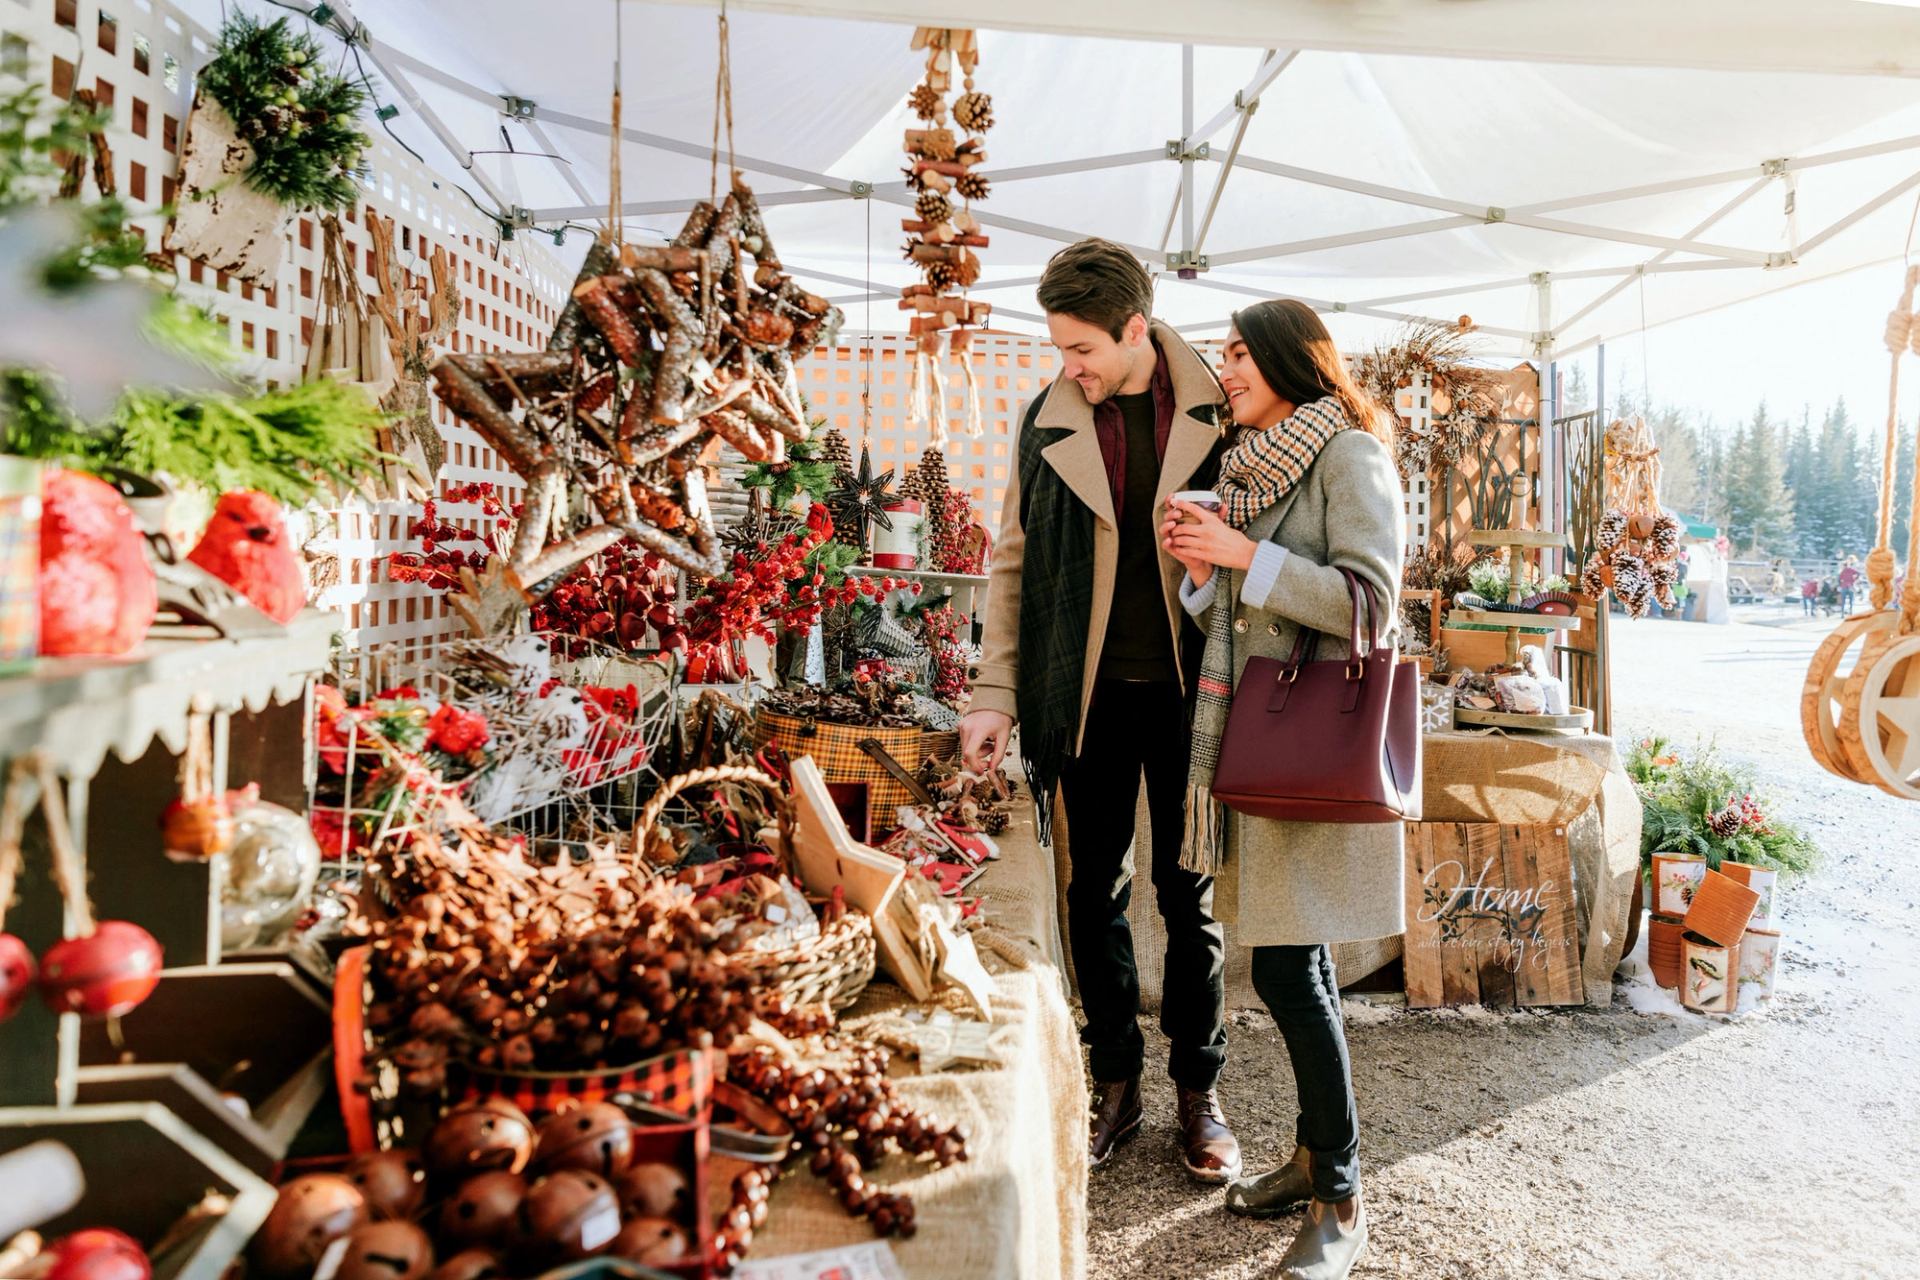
(1116, 1117)
(1208, 1150)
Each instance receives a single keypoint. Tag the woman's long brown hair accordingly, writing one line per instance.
(1294, 352)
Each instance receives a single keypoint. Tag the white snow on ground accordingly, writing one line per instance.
(1637, 1141)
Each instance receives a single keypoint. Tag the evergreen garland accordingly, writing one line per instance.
(301, 119)
(802, 472)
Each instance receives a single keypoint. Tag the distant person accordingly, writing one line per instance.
(1777, 582)
(1849, 582)
(1810, 597)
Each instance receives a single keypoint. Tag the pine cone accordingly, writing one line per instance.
(1626, 564)
(1665, 542)
(1663, 595)
(1725, 823)
(933, 207)
(1665, 573)
(974, 112)
(1590, 580)
(925, 102)
(971, 186)
(938, 144)
(966, 271)
(940, 275)
(835, 451)
(1613, 527)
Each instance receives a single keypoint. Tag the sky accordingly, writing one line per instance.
(1802, 346)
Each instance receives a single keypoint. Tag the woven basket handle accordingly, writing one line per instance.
(701, 778)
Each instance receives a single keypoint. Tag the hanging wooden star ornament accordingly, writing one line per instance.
(859, 498)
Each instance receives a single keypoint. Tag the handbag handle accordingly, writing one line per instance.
(1306, 641)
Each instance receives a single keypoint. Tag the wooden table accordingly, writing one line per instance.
(1017, 1206)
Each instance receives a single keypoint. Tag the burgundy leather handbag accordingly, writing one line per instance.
(1311, 741)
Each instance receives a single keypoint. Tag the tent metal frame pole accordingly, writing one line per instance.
(703, 151)
(1659, 259)
(567, 174)
(1398, 231)
(1244, 107)
(1326, 305)
(1871, 207)
(1273, 62)
(1186, 154)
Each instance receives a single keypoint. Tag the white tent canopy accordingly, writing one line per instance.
(1563, 173)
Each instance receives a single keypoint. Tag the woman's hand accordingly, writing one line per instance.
(1201, 540)
(1197, 570)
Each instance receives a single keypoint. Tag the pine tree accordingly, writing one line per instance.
(1576, 394)
(1902, 492)
(1759, 506)
(1804, 478)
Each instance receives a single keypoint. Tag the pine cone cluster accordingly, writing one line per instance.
(974, 112)
(972, 186)
(933, 207)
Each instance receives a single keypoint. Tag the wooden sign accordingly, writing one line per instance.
(1490, 916)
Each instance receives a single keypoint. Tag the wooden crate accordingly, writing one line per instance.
(1490, 916)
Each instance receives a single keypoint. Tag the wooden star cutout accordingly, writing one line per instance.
(859, 498)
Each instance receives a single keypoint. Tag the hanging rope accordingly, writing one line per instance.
(1900, 334)
(616, 227)
(69, 868)
(13, 824)
(722, 104)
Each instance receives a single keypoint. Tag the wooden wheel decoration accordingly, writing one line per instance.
(1823, 696)
(1883, 717)
(1876, 735)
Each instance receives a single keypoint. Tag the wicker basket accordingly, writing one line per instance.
(831, 969)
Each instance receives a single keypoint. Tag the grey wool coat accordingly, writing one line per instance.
(1297, 883)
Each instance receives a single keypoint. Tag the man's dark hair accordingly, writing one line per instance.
(1099, 282)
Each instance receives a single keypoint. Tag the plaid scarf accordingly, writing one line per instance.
(1260, 470)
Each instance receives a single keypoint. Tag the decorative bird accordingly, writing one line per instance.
(97, 593)
(246, 547)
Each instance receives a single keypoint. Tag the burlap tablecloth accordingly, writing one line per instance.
(1017, 1207)
(1481, 776)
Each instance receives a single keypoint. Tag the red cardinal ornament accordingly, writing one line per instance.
(102, 975)
(16, 974)
(245, 546)
(97, 593)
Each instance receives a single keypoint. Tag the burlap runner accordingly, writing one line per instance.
(1474, 777)
(1018, 1206)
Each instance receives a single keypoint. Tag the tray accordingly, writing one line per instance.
(1577, 720)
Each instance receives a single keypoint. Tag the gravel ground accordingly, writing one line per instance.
(1613, 1143)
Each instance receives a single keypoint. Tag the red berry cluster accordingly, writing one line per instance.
(774, 587)
(438, 562)
(615, 599)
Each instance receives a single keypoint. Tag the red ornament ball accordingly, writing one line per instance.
(16, 974)
(102, 975)
(98, 1253)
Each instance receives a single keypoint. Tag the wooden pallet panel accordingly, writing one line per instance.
(1490, 916)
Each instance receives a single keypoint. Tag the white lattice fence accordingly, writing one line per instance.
(139, 57)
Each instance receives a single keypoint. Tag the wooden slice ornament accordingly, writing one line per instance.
(1823, 695)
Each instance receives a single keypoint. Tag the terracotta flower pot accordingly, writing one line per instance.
(1676, 877)
(1664, 949)
(1763, 881)
(1759, 959)
(1722, 908)
(1707, 977)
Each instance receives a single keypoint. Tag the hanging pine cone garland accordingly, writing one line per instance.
(971, 186)
(933, 207)
(925, 102)
(974, 112)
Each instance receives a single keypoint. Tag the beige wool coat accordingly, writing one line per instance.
(1197, 398)
(1298, 883)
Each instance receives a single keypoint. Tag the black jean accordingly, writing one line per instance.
(1301, 992)
(1134, 727)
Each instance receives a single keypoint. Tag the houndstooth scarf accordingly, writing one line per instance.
(1260, 470)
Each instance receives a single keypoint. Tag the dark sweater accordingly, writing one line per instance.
(1139, 639)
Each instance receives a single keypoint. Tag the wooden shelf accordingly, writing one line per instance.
(1539, 538)
(1519, 621)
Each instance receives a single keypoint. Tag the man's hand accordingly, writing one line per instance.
(983, 739)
